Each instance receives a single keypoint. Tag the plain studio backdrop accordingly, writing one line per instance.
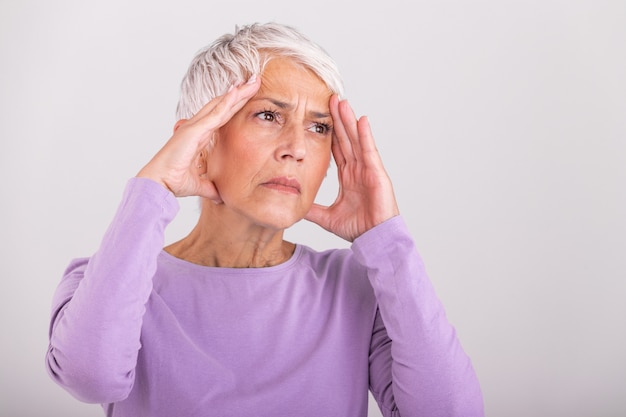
(502, 125)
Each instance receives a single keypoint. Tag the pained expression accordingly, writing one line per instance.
(269, 160)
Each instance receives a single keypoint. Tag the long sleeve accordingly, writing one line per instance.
(417, 365)
(99, 305)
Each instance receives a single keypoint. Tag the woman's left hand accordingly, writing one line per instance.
(366, 196)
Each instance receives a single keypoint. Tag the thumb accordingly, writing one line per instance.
(207, 189)
(318, 214)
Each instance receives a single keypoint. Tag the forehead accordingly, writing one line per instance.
(289, 80)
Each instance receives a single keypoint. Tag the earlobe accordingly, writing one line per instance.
(178, 124)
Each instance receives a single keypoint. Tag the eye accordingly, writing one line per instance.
(320, 128)
(267, 115)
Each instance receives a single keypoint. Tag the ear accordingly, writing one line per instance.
(179, 123)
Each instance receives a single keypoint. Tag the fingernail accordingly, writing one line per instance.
(252, 79)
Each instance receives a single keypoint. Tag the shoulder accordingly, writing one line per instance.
(337, 267)
(73, 274)
(76, 268)
(72, 277)
(326, 262)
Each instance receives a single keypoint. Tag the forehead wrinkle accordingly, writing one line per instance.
(280, 104)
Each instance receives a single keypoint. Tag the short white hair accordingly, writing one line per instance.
(234, 58)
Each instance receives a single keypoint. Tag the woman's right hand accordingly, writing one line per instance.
(180, 166)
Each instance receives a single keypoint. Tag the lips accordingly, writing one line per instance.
(284, 184)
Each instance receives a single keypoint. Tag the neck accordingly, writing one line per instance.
(222, 239)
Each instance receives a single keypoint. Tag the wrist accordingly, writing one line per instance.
(145, 173)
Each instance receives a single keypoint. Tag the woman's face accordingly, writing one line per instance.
(269, 160)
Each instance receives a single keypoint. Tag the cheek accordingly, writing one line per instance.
(320, 171)
(324, 162)
(233, 167)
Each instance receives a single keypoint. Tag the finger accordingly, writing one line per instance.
(349, 122)
(367, 144)
(237, 97)
(221, 109)
(340, 133)
(198, 132)
(238, 91)
(335, 148)
(360, 134)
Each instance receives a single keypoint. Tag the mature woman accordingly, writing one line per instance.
(233, 320)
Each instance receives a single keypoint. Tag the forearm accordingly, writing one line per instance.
(94, 336)
(430, 373)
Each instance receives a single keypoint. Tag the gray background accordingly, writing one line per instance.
(502, 125)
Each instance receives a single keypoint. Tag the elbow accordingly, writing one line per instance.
(464, 400)
(456, 397)
(466, 406)
(468, 397)
(446, 405)
(91, 383)
(451, 407)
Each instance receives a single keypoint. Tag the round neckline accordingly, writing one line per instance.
(297, 253)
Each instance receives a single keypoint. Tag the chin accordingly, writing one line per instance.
(274, 214)
(280, 223)
(279, 219)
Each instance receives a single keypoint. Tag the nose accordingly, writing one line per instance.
(291, 144)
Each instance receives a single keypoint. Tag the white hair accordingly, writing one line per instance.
(233, 58)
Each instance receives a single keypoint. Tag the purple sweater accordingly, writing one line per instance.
(148, 334)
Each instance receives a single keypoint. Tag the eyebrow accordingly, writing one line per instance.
(286, 106)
